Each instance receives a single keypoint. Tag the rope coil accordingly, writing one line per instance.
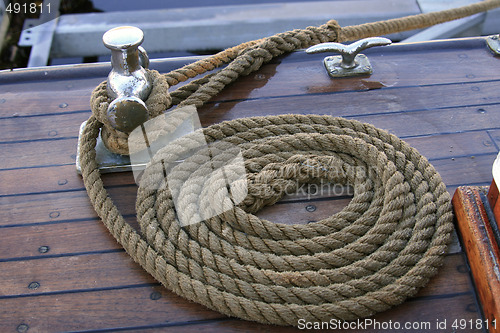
(378, 251)
(382, 248)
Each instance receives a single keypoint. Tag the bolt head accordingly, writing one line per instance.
(310, 208)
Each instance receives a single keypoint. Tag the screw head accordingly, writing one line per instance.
(43, 249)
(34, 285)
(21, 328)
(310, 208)
(155, 296)
(55, 214)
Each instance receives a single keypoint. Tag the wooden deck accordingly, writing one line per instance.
(60, 270)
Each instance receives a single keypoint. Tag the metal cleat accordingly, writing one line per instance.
(350, 62)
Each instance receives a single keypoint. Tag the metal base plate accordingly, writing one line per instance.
(494, 43)
(332, 65)
(107, 161)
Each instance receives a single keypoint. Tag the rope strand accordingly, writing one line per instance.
(378, 251)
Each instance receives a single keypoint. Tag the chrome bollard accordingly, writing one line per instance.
(128, 83)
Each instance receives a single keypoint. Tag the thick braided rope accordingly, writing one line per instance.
(372, 255)
(375, 253)
(248, 57)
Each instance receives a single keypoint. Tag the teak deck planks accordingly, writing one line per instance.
(442, 98)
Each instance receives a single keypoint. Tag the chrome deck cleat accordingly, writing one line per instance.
(350, 62)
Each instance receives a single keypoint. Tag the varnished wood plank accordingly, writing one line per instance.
(81, 235)
(425, 315)
(61, 178)
(61, 203)
(268, 82)
(88, 240)
(482, 250)
(425, 123)
(90, 272)
(46, 127)
(433, 122)
(52, 101)
(353, 104)
(116, 269)
(53, 207)
(64, 178)
(468, 170)
(38, 153)
(100, 309)
(58, 239)
(79, 272)
(62, 238)
(156, 320)
(449, 146)
(42, 128)
(305, 74)
(417, 70)
(59, 206)
(63, 152)
(63, 207)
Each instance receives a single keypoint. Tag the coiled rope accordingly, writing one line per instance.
(372, 255)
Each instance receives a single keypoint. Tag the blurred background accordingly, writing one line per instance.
(14, 55)
(72, 31)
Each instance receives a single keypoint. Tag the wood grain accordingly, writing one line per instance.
(481, 248)
(440, 97)
(100, 309)
(425, 314)
(112, 308)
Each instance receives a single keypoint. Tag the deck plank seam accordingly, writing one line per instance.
(47, 114)
(80, 189)
(401, 137)
(493, 139)
(261, 98)
(153, 326)
(69, 221)
(78, 291)
(421, 110)
(61, 255)
(40, 140)
(145, 285)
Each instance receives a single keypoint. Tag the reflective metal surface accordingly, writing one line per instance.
(350, 62)
(494, 44)
(127, 82)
